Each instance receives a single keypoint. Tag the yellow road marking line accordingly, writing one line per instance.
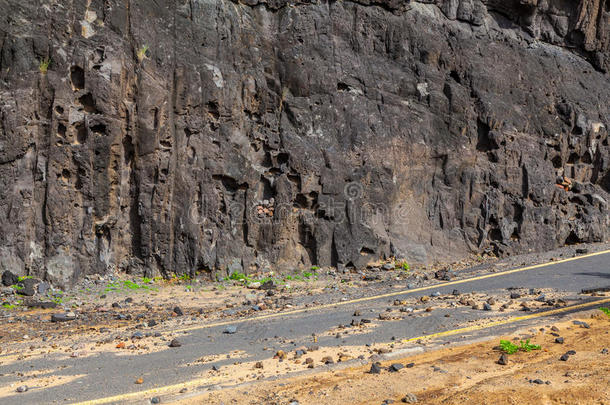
(387, 295)
(202, 381)
(506, 321)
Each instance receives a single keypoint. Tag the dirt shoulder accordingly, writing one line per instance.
(458, 375)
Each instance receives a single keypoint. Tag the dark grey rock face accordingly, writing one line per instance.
(212, 135)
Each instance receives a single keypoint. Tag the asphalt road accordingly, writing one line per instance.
(109, 375)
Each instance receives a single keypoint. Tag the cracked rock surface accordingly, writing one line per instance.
(232, 136)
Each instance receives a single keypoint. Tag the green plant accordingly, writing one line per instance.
(403, 265)
(315, 268)
(21, 278)
(526, 346)
(508, 347)
(142, 52)
(6, 305)
(237, 276)
(185, 277)
(147, 280)
(43, 65)
(605, 310)
(307, 274)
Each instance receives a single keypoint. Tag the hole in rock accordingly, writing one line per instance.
(99, 129)
(88, 103)
(342, 86)
(572, 239)
(77, 76)
(81, 133)
(59, 110)
(61, 130)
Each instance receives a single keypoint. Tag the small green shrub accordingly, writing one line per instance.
(404, 266)
(605, 310)
(142, 53)
(43, 65)
(237, 276)
(509, 347)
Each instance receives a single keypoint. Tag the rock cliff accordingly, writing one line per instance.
(211, 135)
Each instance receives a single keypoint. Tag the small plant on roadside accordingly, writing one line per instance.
(403, 265)
(43, 66)
(314, 268)
(238, 276)
(185, 277)
(605, 310)
(509, 347)
(526, 346)
(6, 305)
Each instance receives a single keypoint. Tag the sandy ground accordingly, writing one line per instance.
(456, 375)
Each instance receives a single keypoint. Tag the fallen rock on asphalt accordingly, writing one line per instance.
(22, 388)
(375, 368)
(175, 343)
(231, 329)
(65, 317)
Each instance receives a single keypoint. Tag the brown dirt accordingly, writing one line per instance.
(468, 375)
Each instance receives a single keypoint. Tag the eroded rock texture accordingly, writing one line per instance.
(176, 136)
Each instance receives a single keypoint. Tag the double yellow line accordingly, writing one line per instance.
(387, 295)
(203, 381)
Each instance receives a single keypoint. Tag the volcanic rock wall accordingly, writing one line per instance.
(204, 135)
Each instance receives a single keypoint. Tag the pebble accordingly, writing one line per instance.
(375, 368)
(231, 329)
(68, 316)
(559, 340)
(582, 324)
(410, 365)
(410, 398)
(514, 296)
(175, 343)
(486, 307)
(178, 311)
(139, 381)
(436, 294)
(604, 351)
(155, 400)
(328, 360)
(396, 367)
(22, 388)
(537, 381)
(503, 360)
(455, 292)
